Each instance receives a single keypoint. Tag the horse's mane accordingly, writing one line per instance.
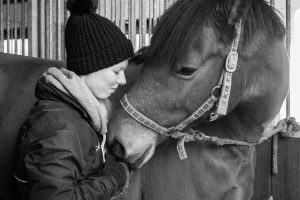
(176, 28)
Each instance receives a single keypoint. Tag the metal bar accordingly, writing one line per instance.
(146, 17)
(66, 13)
(122, 15)
(140, 23)
(100, 8)
(161, 7)
(105, 13)
(8, 26)
(48, 28)
(33, 35)
(108, 9)
(133, 23)
(155, 13)
(103, 7)
(63, 24)
(1, 27)
(15, 28)
(113, 11)
(23, 26)
(151, 4)
(117, 13)
(53, 31)
(41, 31)
(143, 23)
(59, 41)
(288, 44)
(129, 19)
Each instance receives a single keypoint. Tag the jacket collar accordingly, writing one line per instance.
(44, 91)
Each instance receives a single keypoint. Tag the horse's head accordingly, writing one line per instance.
(184, 64)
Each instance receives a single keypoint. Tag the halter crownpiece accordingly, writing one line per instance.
(177, 132)
(230, 67)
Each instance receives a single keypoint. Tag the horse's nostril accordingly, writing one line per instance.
(118, 149)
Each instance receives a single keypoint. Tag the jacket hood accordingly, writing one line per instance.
(44, 91)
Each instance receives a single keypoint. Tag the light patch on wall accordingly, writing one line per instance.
(295, 68)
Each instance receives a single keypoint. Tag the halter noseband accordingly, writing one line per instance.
(177, 132)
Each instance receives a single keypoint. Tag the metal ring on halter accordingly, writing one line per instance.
(213, 116)
(213, 92)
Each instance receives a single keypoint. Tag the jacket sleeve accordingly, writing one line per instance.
(52, 163)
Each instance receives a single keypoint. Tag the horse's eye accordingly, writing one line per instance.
(186, 71)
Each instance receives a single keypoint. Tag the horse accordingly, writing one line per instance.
(215, 75)
(18, 75)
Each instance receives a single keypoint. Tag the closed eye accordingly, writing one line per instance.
(186, 71)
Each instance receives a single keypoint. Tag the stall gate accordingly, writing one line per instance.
(35, 28)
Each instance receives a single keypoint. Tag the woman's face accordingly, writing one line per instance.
(104, 82)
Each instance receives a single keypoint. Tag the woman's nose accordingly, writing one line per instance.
(121, 78)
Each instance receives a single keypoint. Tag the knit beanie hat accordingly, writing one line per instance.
(92, 41)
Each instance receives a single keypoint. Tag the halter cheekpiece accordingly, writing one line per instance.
(222, 102)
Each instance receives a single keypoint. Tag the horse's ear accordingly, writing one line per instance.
(239, 10)
(140, 56)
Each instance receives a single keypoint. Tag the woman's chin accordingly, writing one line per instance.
(103, 96)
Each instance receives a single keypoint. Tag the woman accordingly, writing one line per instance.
(61, 147)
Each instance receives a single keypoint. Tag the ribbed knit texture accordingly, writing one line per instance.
(93, 43)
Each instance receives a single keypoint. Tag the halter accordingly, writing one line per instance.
(177, 132)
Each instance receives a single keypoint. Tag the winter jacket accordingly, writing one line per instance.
(59, 156)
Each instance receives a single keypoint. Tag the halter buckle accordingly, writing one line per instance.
(231, 61)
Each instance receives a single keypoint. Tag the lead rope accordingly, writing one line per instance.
(192, 135)
(285, 128)
(275, 155)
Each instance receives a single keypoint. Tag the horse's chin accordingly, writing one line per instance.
(145, 157)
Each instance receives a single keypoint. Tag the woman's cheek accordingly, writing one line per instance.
(111, 78)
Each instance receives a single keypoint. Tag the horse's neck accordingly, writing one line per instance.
(267, 87)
